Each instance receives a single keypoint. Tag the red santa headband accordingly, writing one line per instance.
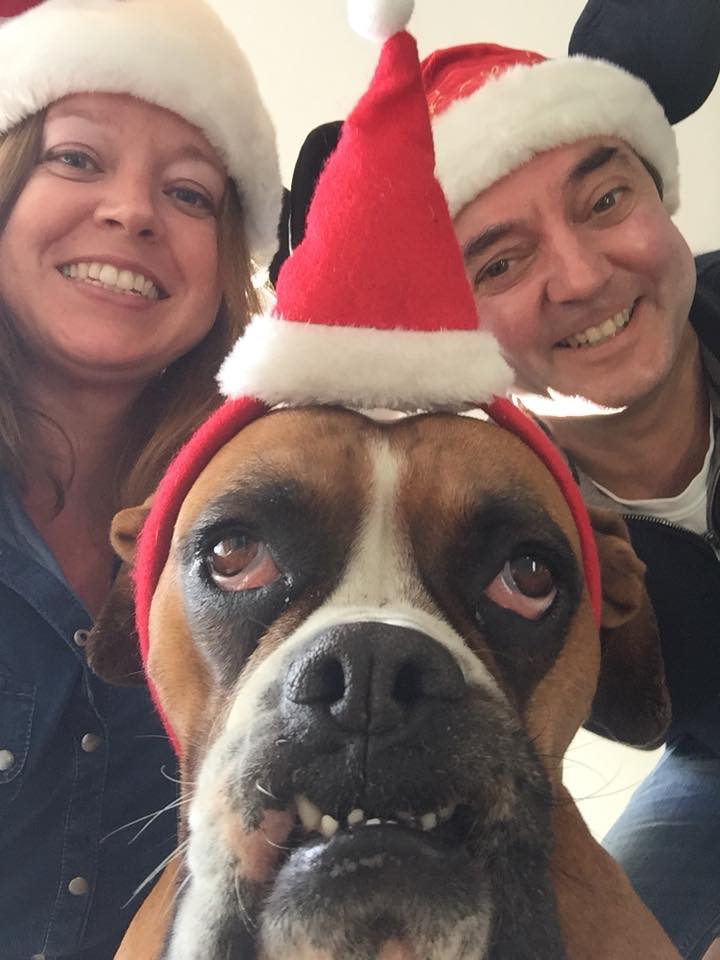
(373, 308)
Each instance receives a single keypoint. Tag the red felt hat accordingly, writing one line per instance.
(373, 308)
(11, 8)
(493, 108)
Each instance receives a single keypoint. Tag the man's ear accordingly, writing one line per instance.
(631, 703)
(112, 645)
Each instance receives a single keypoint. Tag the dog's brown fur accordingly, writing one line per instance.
(601, 917)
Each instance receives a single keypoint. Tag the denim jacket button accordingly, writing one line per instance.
(78, 886)
(7, 760)
(80, 637)
(90, 742)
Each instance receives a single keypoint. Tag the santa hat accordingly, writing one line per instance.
(11, 8)
(174, 53)
(373, 308)
(493, 108)
(350, 326)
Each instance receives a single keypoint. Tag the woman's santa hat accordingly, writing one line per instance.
(494, 108)
(177, 54)
(373, 308)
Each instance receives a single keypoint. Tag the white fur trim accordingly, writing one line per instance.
(280, 361)
(174, 53)
(379, 19)
(493, 131)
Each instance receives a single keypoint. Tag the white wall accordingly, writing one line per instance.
(311, 68)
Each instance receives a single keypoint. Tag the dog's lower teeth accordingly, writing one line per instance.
(328, 826)
(315, 821)
(310, 815)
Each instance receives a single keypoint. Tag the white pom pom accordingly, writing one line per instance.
(379, 19)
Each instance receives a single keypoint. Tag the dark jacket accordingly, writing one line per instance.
(683, 568)
(80, 770)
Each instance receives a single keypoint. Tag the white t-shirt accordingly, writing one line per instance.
(688, 509)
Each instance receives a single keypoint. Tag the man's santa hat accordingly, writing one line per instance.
(177, 54)
(494, 108)
(373, 308)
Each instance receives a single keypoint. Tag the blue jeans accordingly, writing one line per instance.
(668, 843)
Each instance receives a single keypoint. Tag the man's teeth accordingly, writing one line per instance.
(604, 331)
(108, 276)
(315, 821)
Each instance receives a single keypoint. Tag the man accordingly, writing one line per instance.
(561, 177)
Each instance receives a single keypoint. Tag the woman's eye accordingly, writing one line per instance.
(525, 585)
(193, 198)
(240, 563)
(75, 159)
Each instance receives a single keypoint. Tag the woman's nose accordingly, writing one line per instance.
(128, 204)
(579, 269)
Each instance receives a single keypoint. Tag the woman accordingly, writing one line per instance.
(137, 175)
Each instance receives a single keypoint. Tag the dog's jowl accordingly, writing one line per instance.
(374, 643)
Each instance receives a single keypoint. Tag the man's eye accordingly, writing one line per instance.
(607, 201)
(493, 270)
(240, 563)
(525, 585)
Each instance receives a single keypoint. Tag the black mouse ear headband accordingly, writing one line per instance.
(671, 44)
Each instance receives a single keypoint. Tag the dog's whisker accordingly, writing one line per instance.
(601, 793)
(182, 886)
(178, 851)
(150, 817)
(175, 805)
(247, 919)
(265, 791)
(278, 846)
(256, 622)
(168, 776)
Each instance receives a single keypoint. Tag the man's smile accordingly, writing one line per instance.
(595, 335)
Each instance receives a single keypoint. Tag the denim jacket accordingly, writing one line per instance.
(81, 765)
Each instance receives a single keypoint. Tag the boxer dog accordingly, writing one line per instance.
(374, 643)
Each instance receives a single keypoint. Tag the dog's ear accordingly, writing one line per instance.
(631, 702)
(112, 644)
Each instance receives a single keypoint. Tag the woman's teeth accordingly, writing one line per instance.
(315, 821)
(108, 276)
(604, 331)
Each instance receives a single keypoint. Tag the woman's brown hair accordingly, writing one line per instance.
(174, 403)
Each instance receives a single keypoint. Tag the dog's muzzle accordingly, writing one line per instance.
(407, 787)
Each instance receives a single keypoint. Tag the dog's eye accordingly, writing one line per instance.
(525, 585)
(239, 563)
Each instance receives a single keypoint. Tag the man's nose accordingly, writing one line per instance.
(578, 269)
(128, 204)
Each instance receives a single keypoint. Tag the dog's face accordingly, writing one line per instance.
(374, 644)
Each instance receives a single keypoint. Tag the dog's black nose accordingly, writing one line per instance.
(370, 677)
